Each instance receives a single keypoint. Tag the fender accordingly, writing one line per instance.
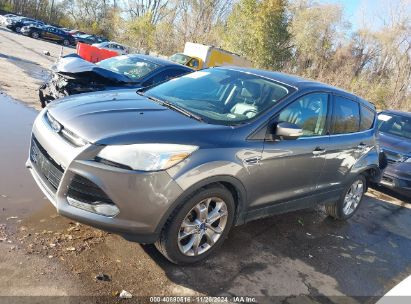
(234, 182)
(369, 161)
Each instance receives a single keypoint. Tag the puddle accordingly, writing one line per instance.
(19, 195)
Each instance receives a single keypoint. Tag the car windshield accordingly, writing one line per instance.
(133, 67)
(395, 125)
(221, 96)
(180, 58)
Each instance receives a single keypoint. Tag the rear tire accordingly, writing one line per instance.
(66, 42)
(350, 200)
(18, 29)
(189, 235)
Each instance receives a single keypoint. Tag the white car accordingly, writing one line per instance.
(3, 18)
(112, 46)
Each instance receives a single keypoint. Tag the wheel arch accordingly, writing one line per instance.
(231, 183)
(371, 173)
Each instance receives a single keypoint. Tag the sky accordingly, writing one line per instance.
(372, 13)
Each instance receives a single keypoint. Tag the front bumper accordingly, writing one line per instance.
(397, 176)
(143, 198)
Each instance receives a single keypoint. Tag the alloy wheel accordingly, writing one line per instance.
(202, 227)
(353, 197)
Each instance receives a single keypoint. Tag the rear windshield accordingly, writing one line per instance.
(180, 58)
(395, 125)
(132, 67)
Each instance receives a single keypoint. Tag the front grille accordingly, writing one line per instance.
(86, 191)
(66, 134)
(45, 165)
(387, 179)
(391, 161)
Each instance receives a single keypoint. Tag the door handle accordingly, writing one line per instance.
(319, 151)
(252, 160)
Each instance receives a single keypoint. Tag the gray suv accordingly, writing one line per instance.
(180, 163)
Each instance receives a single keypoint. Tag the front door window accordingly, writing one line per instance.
(308, 112)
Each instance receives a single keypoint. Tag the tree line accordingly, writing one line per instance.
(302, 37)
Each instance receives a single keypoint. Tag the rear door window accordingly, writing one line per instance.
(346, 116)
(367, 118)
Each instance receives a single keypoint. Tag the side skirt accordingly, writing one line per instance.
(293, 205)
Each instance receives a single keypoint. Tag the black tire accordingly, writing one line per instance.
(167, 245)
(335, 210)
(17, 29)
(66, 42)
(35, 35)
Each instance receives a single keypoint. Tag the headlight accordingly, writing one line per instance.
(147, 157)
(405, 159)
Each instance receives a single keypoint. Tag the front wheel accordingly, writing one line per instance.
(199, 227)
(66, 42)
(350, 200)
(35, 35)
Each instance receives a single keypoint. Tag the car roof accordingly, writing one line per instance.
(298, 82)
(158, 60)
(396, 112)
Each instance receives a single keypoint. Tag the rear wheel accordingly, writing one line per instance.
(349, 202)
(18, 29)
(66, 42)
(199, 227)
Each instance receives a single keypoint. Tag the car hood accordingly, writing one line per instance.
(74, 64)
(124, 117)
(394, 143)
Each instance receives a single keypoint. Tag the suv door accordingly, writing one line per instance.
(351, 137)
(289, 169)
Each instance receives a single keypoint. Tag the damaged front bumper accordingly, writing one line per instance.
(60, 86)
(397, 176)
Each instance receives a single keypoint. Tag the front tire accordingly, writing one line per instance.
(66, 42)
(198, 228)
(349, 201)
(35, 35)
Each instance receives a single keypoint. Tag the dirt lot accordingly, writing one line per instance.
(297, 254)
(24, 66)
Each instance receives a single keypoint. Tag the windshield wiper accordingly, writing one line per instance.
(172, 106)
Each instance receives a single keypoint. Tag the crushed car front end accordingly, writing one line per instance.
(73, 75)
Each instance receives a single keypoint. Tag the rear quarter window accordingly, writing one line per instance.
(367, 118)
(346, 117)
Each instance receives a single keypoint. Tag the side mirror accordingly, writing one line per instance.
(287, 130)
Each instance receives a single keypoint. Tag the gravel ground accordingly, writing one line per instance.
(24, 66)
(303, 253)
